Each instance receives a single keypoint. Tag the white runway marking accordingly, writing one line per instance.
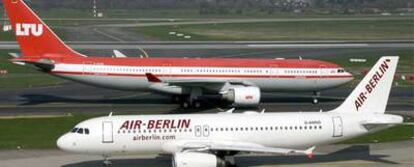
(358, 45)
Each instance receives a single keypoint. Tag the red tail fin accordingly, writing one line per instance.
(35, 38)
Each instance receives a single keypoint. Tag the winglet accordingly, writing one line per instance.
(152, 78)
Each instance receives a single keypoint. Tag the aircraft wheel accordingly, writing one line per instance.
(315, 101)
(316, 95)
(107, 162)
(176, 98)
(197, 104)
(185, 104)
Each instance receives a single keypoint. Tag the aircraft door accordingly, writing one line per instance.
(323, 71)
(107, 132)
(88, 68)
(273, 71)
(337, 126)
(166, 71)
(198, 131)
(206, 131)
(202, 131)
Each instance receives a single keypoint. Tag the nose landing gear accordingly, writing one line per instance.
(316, 95)
(106, 162)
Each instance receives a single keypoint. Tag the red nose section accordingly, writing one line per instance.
(34, 37)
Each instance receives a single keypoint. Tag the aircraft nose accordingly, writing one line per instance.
(350, 78)
(64, 143)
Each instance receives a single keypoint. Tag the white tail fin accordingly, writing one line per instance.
(371, 94)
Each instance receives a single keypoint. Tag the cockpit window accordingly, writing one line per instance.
(341, 70)
(80, 130)
(74, 130)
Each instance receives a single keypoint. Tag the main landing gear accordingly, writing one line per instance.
(316, 95)
(189, 101)
(186, 101)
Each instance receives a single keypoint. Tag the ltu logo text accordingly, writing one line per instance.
(29, 29)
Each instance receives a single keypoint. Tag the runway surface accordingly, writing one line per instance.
(247, 20)
(66, 98)
(368, 155)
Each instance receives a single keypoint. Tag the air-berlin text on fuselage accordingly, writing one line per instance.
(372, 83)
(24, 29)
(155, 124)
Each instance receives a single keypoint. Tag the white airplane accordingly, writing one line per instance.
(187, 80)
(206, 140)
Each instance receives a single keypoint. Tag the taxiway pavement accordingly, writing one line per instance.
(399, 154)
(98, 45)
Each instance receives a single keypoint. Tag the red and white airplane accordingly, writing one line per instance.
(240, 81)
(208, 140)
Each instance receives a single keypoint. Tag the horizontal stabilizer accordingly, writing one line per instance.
(14, 55)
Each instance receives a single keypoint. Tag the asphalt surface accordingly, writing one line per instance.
(66, 98)
(368, 155)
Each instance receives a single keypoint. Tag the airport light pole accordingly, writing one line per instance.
(94, 8)
(6, 24)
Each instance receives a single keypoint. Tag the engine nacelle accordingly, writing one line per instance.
(243, 96)
(196, 159)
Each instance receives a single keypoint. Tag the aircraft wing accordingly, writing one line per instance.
(241, 147)
(202, 83)
(196, 82)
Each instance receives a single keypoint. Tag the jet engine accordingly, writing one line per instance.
(192, 159)
(243, 96)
